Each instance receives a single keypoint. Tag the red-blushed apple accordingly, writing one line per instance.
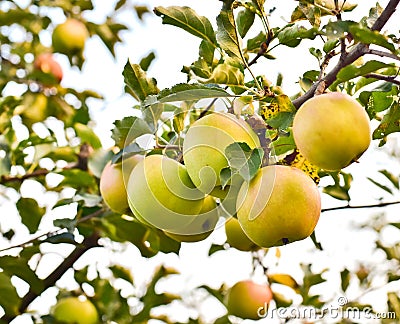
(248, 300)
(113, 182)
(46, 63)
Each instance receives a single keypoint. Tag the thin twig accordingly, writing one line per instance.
(388, 78)
(382, 54)
(358, 51)
(360, 206)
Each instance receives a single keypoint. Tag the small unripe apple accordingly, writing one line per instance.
(70, 37)
(236, 238)
(280, 205)
(46, 63)
(35, 108)
(331, 130)
(73, 310)
(205, 143)
(202, 225)
(249, 300)
(113, 182)
(161, 194)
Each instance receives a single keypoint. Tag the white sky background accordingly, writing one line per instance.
(174, 48)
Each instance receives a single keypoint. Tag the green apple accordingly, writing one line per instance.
(280, 205)
(46, 63)
(161, 194)
(205, 143)
(73, 310)
(202, 225)
(70, 37)
(113, 182)
(35, 108)
(249, 300)
(236, 238)
(331, 130)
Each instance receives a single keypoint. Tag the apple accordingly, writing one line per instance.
(113, 182)
(74, 310)
(204, 147)
(280, 205)
(46, 63)
(236, 238)
(203, 224)
(247, 299)
(331, 130)
(70, 37)
(161, 194)
(35, 108)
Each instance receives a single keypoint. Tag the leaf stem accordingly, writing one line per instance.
(379, 205)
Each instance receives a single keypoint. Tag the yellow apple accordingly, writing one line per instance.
(205, 143)
(249, 300)
(46, 63)
(331, 130)
(280, 205)
(202, 225)
(73, 310)
(70, 36)
(113, 182)
(161, 194)
(236, 238)
(35, 108)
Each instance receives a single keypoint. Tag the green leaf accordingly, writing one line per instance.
(87, 135)
(206, 52)
(383, 187)
(394, 303)
(77, 179)
(137, 81)
(330, 45)
(340, 190)
(9, 299)
(367, 36)
(228, 73)
(67, 237)
(338, 29)
(391, 177)
(17, 266)
(125, 131)
(227, 35)
(30, 212)
(243, 161)
(345, 279)
(217, 293)
(292, 35)
(352, 71)
(254, 44)
(191, 92)
(377, 101)
(146, 61)
(389, 124)
(283, 144)
(215, 248)
(122, 273)
(187, 19)
(284, 279)
(244, 21)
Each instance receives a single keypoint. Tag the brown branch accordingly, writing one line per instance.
(50, 281)
(388, 78)
(383, 54)
(360, 206)
(358, 51)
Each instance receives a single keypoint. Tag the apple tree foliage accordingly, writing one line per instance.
(353, 54)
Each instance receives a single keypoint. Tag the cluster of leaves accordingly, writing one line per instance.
(222, 73)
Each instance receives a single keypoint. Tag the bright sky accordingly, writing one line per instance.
(173, 49)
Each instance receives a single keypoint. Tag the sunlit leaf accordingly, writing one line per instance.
(125, 131)
(30, 212)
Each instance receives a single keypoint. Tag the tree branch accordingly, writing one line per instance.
(388, 78)
(382, 54)
(50, 281)
(360, 206)
(359, 50)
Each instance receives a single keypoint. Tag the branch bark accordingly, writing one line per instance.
(359, 50)
(88, 243)
(360, 206)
